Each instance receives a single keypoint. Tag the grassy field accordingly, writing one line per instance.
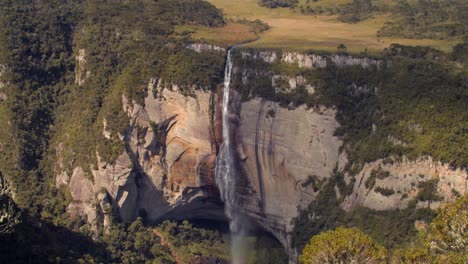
(230, 34)
(292, 30)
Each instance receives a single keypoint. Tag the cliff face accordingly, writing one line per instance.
(403, 179)
(167, 168)
(311, 60)
(167, 165)
(278, 150)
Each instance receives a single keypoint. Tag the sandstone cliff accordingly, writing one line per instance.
(167, 169)
(278, 150)
(166, 166)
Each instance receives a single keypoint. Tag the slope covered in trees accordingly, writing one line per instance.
(41, 103)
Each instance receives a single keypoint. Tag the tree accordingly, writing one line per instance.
(448, 232)
(412, 255)
(343, 245)
(9, 213)
(342, 48)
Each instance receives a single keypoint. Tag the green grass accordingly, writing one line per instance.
(291, 30)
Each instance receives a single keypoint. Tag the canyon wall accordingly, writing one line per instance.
(167, 168)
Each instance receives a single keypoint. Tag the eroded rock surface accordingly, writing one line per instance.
(81, 72)
(311, 60)
(403, 178)
(278, 150)
(199, 47)
(166, 165)
(167, 168)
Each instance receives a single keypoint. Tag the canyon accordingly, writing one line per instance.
(167, 170)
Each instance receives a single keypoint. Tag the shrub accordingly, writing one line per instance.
(278, 3)
(384, 191)
(449, 230)
(342, 245)
(428, 191)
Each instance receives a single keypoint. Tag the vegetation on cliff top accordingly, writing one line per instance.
(420, 100)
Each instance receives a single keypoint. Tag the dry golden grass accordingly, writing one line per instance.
(291, 30)
(230, 34)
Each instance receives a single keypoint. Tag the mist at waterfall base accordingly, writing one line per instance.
(225, 175)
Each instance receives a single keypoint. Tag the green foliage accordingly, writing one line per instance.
(445, 241)
(428, 190)
(376, 174)
(324, 213)
(370, 182)
(186, 67)
(48, 116)
(36, 241)
(356, 11)
(391, 228)
(278, 3)
(420, 99)
(427, 19)
(257, 26)
(123, 50)
(9, 213)
(414, 254)
(191, 242)
(313, 181)
(191, 12)
(342, 245)
(460, 53)
(384, 191)
(448, 232)
(268, 251)
(135, 244)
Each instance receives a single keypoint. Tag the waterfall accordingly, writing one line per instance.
(225, 174)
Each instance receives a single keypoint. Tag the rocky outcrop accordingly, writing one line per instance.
(311, 60)
(170, 144)
(287, 83)
(199, 47)
(402, 179)
(3, 96)
(279, 149)
(266, 56)
(165, 168)
(81, 72)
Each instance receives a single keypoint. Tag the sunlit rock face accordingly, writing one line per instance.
(167, 167)
(172, 142)
(403, 177)
(3, 96)
(278, 149)
(81, 71)
(311, 60)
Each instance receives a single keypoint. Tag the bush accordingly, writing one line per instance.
(278, 3)
(342, 245)
(384, 191)
(428, 191)
(449, 230)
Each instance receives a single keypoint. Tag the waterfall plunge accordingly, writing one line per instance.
(226, 177)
